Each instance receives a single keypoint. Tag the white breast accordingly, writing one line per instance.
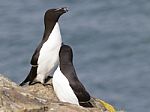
(49, 55)
(62, 88)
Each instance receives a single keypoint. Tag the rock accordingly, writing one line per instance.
(34, 98)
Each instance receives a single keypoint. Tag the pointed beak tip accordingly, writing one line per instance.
(65, 9)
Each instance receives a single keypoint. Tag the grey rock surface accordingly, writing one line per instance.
(34, 98)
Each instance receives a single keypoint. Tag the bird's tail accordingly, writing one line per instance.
(86, 104)
(31, 76)
(24, 82)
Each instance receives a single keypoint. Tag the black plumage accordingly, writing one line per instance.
(68, 70)
(50, 19)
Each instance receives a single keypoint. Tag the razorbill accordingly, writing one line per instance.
(46, 56)
(65, 82)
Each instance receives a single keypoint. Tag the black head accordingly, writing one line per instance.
(65, 54)
(54, 14)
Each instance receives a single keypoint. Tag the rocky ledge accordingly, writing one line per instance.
(34, 98)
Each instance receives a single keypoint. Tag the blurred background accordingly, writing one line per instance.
(110, 41)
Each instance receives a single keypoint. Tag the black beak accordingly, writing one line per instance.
(63, 9)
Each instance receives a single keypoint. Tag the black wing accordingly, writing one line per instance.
(35, 56)
(76, 85)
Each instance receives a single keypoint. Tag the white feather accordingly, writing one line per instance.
(49, 55)
(62, 88)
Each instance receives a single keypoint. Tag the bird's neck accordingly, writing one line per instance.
(49, 26)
